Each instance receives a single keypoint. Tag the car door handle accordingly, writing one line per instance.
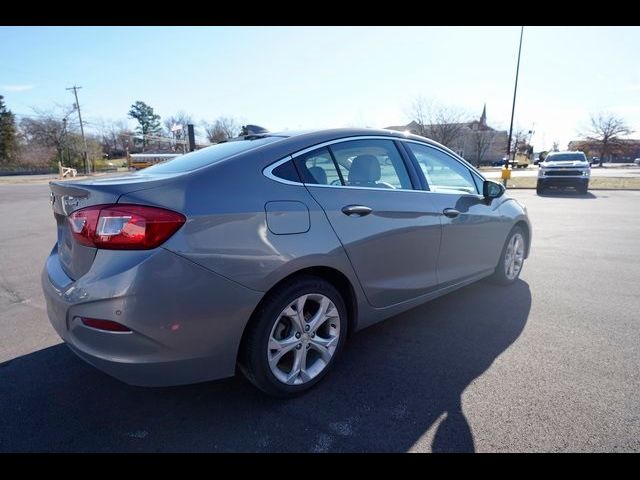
(450, 212)
(358, 210)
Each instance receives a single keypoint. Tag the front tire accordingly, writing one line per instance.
(511, 258)
(295, 337)
(583, 188)
(539, 188)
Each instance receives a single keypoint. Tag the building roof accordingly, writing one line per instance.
(481, 124)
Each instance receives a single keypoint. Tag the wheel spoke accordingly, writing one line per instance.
(323, 350)
(304, 376)
(326, 310)
(516, 245)
(300, 356)
(296, 314)
(300, 302)
(282, 347)
(324, 342)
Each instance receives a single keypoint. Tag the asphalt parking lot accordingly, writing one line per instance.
(551, 363)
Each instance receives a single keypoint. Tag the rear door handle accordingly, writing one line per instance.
(450, 212)
(357, 210)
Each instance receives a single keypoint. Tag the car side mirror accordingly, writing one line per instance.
(491, 190)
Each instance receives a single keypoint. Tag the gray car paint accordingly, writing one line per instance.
(394, 249)
(210, 275)
(472, 241)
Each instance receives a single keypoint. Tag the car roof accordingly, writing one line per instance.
(328, 134)
(294, 141)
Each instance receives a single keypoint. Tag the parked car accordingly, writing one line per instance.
(266, 253)
(636, 161)
(564, 169)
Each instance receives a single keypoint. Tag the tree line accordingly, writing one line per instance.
(449, 125)
(46, 137)
(50, 136)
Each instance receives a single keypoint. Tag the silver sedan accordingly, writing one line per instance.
(263, 254)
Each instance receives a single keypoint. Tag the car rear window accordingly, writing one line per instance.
(564, 157)
(209, 155)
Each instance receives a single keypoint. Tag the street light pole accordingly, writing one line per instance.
(513, 106)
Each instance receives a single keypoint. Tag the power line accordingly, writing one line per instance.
(84, 140)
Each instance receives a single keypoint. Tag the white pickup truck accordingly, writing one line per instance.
(564, 169)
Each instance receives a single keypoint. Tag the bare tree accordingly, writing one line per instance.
(176, 126)
(49, 129)
(481, 143)
(420, 114)
(604, 131)
(222, 129)
(443, 123)
(116, 138)
(519, 140)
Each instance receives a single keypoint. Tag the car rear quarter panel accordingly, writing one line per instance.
(227, 230)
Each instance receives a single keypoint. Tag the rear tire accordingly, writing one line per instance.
(303, 351)
(511, 258)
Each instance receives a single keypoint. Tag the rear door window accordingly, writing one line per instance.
(372, 164)
(443, 172)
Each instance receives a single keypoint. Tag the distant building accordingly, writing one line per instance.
(478, 143)
(623, 151)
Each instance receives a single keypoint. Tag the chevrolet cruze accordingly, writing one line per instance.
(263, 254)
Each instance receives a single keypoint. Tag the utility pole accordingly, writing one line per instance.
(513, 106)
(87, 167)
(192, 137)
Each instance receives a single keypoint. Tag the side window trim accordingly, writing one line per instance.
(337, 167)
(424, 185)
(410, 166)
(404, 152)
(268, 171)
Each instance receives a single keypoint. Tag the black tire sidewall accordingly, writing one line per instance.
(255, 359)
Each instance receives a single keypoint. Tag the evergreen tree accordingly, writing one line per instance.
(8, 137)
(148, 121)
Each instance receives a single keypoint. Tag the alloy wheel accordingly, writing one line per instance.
(514, 256)
(303, 339)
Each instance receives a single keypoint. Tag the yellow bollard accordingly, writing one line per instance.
(506, 175)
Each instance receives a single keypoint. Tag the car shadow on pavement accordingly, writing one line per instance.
(568, 194)
(398, 383)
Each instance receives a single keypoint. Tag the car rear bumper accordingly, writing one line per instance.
(186, 322)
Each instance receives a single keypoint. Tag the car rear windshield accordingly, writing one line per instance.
(566, 157)
(209, 155)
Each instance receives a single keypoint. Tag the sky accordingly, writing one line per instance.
(321, 77)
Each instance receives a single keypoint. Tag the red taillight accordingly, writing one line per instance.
(124, 227)
(107, 325)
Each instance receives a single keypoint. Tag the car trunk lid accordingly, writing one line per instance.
(68, 196)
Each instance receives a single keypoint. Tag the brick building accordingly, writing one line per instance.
(477, 142)
(623, 151)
